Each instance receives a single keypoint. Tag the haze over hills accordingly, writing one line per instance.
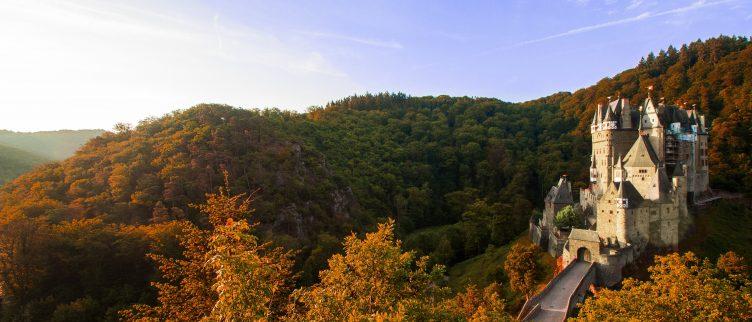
(460, 176)
(14, 162)
(53, 145)
(22, 151)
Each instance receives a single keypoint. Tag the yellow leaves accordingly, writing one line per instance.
(372, 280)
(375, 281)
(521, 266)
(681, 287)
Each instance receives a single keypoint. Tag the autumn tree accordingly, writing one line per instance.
(253, 279)
(373, 278)
(476, 305)
(225, 274)
(682, 287)
(23, 265)
(185, 294)
(521, 267)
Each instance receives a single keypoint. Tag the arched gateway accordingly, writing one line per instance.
(583, 254)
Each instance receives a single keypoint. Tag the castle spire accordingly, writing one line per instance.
(619, 170)
(621, 197)
(642, 114)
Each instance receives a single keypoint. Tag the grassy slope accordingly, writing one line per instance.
(722, 227)
(14, 162)
(487, 268)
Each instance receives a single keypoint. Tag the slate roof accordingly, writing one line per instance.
(641, 154)
(584, 234)
(660, 187)
(675, 114)
(560, 193)
(625, 189)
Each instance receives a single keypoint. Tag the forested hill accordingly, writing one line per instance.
(53, 145)
(14, 162)
(457, 174)
(479, 164)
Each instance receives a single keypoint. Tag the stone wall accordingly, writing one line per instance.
(537, 235)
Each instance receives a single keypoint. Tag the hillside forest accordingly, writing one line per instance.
(427, 184)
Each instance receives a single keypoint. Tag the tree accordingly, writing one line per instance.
(23, 263)
(474, 305)
(186, 293)
(252, 279)
(225, 274)
(568, 217)
(373, 278)
(521, 267)
(681, 287)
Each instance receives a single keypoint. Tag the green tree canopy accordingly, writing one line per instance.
(569, 217)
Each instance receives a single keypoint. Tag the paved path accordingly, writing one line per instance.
(554, 304)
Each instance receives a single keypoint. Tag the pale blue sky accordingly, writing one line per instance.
(85, 64)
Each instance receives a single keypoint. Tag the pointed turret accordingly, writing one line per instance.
(609, 121)
(650, 117)
(640, 121)
(621, 197)
(599, 112)
(626, 114)
(593, 169)
(619, 170)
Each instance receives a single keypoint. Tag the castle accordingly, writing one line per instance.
(646, 164)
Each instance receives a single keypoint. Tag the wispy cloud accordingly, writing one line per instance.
(645, 15)
(364, 41)
(580, 2)
(635, 4)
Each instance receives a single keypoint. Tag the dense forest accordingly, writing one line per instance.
(459, 177)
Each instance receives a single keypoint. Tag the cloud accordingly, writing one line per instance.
(580, 2)
(645, 15)
(634, 4)
(365, 41)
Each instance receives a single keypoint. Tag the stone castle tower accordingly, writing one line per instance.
(646, 163)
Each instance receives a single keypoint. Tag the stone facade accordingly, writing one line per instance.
(645, 164)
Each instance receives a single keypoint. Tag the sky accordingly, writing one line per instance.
(90, 64)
